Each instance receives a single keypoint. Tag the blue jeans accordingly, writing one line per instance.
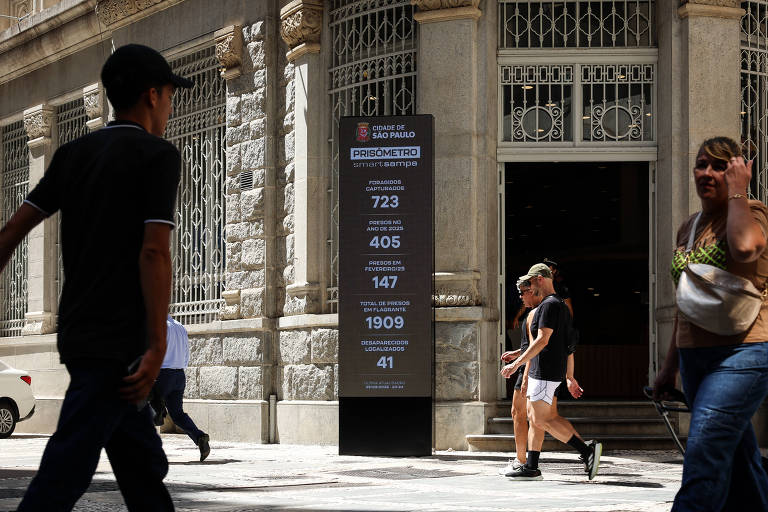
(722, 470)
(94, 417)
(169, 386)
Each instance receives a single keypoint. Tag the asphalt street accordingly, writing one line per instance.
(282, 478)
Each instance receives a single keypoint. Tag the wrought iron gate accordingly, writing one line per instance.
(197, 128)
(754, 93)
(15, 185)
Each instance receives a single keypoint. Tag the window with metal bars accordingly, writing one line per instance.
(197, 128)
(70, 124)
(14, 188)
(754, 93)
(373, 73)
(576, 24)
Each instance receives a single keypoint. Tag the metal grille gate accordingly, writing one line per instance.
(573, 100)
(754, 93)
(70, 124)
(197, 128)
(373, 73)
(15, 185)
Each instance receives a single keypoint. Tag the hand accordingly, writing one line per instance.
(574, 388)
(509, 369)
(138, 385)
(511, 355)
(665, 382)
(738, 174)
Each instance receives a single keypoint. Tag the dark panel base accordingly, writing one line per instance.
(398, 427)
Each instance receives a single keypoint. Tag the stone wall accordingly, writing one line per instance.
(457, 371)
(229, 367)
(247, 148)
(309, 364)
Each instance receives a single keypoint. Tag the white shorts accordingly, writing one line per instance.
(542, 390)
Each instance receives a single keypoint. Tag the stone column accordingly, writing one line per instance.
(42, 257)
(447, 60)
(95, 106)
(452, 56)
(305, 182)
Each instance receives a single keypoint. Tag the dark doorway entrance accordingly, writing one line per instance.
(592, 219)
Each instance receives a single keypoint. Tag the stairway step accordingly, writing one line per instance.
(506, 442)
(588, 419)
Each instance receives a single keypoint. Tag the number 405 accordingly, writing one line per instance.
(386, 362)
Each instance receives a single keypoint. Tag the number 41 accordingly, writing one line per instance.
(385, 362)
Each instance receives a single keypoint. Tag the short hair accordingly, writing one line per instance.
(720, 148)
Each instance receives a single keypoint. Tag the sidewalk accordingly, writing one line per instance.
(244, 477)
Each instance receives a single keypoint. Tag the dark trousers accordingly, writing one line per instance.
(170, 387)
(94, 417)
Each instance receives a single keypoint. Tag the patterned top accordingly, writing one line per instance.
(711, 247)
(712, 254)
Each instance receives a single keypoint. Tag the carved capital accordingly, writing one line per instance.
(93, 101)
(433, 5)
(300, 24)
(446, 298)
(229, 50)
(454, 289)
(432, 11)
(725, 9)
(112, 11)
(38, 121)
(302, 299)
(38, 322)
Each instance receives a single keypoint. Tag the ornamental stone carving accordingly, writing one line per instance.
(92, 101)
(300, 24)
(38, 121)
(229, 50)
(112, 11)
(444, 298)
(431, 5)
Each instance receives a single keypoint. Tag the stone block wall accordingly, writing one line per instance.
(285, 194)
(308, 360)
(233, 366)
(457, 371)
(247, 149)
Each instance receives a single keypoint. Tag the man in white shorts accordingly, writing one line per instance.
(547, 356)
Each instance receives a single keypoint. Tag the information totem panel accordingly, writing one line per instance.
(386, 261)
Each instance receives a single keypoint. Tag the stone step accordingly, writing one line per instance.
(577, 408)
(506, 442)
(596, 426)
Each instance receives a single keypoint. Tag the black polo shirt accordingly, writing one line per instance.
(108, 185)
(550, 363)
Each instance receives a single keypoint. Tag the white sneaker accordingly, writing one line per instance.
(511, 468)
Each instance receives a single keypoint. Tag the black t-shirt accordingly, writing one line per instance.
(550, 363)
(524, 341)
(107, 184)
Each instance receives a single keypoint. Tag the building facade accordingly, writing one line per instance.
(564, 128)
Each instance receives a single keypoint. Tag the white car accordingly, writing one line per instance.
(17, 403)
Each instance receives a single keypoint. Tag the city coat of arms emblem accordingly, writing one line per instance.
(363, 132)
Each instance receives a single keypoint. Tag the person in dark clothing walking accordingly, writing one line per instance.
(116, 191)
(171, 383)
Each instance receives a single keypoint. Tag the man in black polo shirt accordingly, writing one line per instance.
(115, 189)
(548, 355)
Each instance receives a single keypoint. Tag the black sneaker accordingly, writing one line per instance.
(205, 448)
(525, 473)
(592, 462)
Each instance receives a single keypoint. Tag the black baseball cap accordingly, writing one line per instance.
(135, 67)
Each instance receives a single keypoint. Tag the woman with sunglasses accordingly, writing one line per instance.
(725, 378)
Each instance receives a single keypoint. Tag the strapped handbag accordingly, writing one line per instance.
(716, 300)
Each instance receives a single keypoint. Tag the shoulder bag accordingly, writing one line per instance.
(714, 299)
